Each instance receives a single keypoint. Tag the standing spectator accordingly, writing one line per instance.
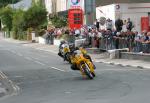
(97, 24)
(46, 36)
(90, 37)
(99, 37)
(124, 27)
(59, 32)
(137, 41)
(82, 32)
(116, 37)
(77, 32)
(145, 42)
(137, 36)
(51, 36)
(109, 24)
(145, 37)
(118, 24)
(129, 25)
(130, 40)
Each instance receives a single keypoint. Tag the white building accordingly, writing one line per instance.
(55, 5)
(48, 6)
(137, 12)
(61, 5)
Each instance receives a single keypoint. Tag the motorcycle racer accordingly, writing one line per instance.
(76, 51)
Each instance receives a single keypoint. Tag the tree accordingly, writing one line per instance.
(38, 2)
(6, 15)
(18, 24)
(35, 16)
(3, 3)
(58, 21)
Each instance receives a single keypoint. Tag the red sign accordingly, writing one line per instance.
(75, 18)
(145, 23)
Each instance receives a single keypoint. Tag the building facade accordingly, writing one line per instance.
(139, 13)
(62, 6)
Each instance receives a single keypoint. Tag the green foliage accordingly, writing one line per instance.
(38, 2)
(3, 3)
(18, 23)
(58, 21)
(22, 35)
(35, 16)
(41, 32)
(6, 15)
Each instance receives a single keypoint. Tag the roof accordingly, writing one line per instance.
(24, 4)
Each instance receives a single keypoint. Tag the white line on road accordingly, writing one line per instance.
(46, 50)
(39, 63)
(58, 69)
(18, 76)
(15, 87)
(3, 75)
(37, 59)
(122, 69)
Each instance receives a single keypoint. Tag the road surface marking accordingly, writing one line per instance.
(123, 69)
(36, 58)
(58, 69)
(3, 75)
(15, 87)
(39, 63)
(46, 50)
(18, 76)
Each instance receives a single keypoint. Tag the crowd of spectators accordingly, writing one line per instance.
(122, 37)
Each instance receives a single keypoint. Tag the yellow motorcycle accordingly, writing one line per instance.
(85, 66)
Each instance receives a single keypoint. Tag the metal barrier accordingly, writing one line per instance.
(109, 42)
(113, 43)
(145, 48)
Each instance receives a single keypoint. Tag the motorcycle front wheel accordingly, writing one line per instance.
(88, 72)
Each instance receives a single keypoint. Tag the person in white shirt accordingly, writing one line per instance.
(109, 24)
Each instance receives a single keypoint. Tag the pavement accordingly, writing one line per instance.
(99, 58)
(2, 89)
(7, 87)
(3, 85)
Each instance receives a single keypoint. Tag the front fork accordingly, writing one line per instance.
(82, 72)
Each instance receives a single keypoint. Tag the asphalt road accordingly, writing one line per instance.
(43, 77)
